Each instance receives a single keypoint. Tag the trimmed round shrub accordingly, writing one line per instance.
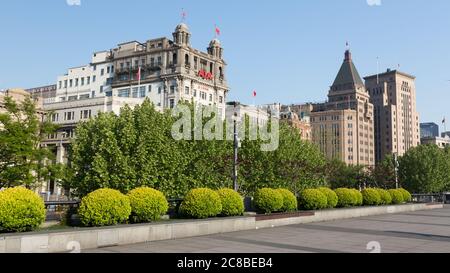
(201, 204)
(407, 197)
(268, 200)
(386, 198)
(232, 202)
(346, 198)
(290, 202)
(371, 197)
(332, 198)
(104, 207)
(359, 200)
(20, 210)
(397, 196)
(313, 199)
(147, 205)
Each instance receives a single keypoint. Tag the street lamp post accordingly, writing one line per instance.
(396, 169)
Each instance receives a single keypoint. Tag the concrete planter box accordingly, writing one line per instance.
(89, 238)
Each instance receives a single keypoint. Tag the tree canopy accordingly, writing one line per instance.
(23, 162)
(137, 149)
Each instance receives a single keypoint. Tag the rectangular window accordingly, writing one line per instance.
(94, 78)
(172, 103)
(172, 89)
(108, 94)
(60, 84)
(159, 60)
(70, 83)
(72, 98)
(85, 114)
(84, 97)
(108, 70)
(210, 97)
(194, 93)
(65, 83)
(135, 92)
(82, 81)
(88, 80)
(159, 90)
(102, 72)
(220, 99)
(101, 89)
(186, 90)
(124, 93)
(142, 92)
(76, 82)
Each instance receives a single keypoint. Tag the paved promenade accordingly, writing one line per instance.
(422, 231)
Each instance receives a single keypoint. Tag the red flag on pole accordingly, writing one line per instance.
(254, 93)
(217, 31)
(139, 74)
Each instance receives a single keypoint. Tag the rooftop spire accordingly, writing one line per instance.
(348, 55)
(348, 74)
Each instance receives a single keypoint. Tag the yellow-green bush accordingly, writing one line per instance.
(268, 200)
(20, 210)
(104, 207)
(201, 203)
(147, 204)
(358, 197)
(397, 196)
(346, 198)
(371, 197)
(290, 202)
(386, 198)
(232, 202)
(332, 198)
(407, 197)
(313, 199)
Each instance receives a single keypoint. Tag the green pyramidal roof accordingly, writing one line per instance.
(348, 74)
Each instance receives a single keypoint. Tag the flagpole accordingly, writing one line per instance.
(139, 82)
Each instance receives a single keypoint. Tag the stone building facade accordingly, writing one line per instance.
(343, 127)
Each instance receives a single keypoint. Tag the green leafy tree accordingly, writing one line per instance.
(23, 162)
(383, 174)
(341, 175)
(425, 169)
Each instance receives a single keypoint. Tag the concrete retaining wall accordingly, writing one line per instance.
(89, 238)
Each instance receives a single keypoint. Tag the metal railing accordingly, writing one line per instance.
(431, 198)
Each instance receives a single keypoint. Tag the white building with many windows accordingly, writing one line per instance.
(85, 82)
(163, 70)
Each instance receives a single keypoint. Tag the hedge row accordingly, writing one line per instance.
(23, 210)
(269, 200)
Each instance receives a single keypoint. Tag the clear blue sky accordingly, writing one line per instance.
(288, 50)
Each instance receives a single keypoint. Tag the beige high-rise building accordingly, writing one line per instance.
(397, 127)
(343, 127)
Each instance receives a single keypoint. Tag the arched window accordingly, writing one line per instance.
(175, 58)
(220, 72)
(186, 59)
